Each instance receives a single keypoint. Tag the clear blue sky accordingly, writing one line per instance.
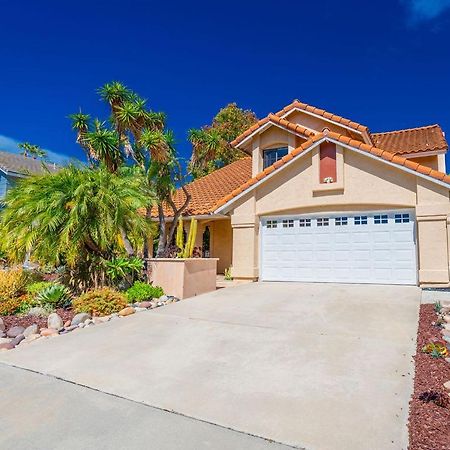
(385, 64)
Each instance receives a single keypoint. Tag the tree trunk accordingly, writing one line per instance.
(126, 242)
(162, 242)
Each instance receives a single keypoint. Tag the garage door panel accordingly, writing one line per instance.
(366, 248)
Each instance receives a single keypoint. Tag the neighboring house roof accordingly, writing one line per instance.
(23, 165)
(208, 190)
(370, 149)
(412, 140)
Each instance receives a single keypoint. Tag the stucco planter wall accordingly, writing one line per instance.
(184, 277)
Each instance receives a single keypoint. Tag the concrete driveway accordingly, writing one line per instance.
(315, 366)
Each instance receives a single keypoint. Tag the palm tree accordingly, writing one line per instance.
(28, 149)
(76, 216)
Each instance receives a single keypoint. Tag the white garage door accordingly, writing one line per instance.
(375, 247)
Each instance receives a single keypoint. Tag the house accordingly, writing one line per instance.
(320, 198)
(14, 167)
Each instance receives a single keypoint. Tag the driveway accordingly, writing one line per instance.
(316, 366)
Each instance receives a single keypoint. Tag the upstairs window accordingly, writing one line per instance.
(272, 155)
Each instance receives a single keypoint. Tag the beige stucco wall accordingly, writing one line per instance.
(221, 243)
(368, 184)
(429, 161)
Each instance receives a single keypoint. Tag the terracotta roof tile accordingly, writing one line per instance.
(411, 140)
(296, 104)
(296, 128)
(208, 190)
(383, 154)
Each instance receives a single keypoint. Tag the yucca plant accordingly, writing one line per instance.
(186, 249)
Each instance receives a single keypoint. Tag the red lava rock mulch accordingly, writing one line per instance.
(429, 424)
(25, 321)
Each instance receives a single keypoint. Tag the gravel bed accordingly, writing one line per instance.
(25, 321)
(429, 424)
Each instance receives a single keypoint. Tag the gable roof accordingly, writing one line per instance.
(385, 155)
(208, 190)
(296, 104)
(23, 165)
(275, 120)
(412, 140)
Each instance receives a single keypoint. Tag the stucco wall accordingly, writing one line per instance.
(368, 184)
(221, 245)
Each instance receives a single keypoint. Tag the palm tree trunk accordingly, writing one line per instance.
(126, 242)
(162, 242)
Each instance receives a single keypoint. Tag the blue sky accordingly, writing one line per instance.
(385, 64)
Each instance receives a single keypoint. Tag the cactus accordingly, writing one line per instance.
(189, 247)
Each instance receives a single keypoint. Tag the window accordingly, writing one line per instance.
(288, 223)
(340, 221)
(360, 220)
(272, 155)
(304, 222)
(272, 224)
(401, 218)
(323, 221)
(381, 218)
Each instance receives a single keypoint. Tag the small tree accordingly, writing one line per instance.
(211, 143)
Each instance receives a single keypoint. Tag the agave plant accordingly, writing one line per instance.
(55, 295)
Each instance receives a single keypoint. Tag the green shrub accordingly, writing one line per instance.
(100, 302)
(141, 291)
(55, 295)
(12, 282)
(36, 288)
(9, 306)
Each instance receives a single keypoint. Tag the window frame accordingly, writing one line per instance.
(285, 151)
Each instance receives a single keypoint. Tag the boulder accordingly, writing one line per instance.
(38, 311)
(138, 309)
(18, 339)
(71, 327)
(126, 311)
(163, 298)
(15, 331)
(32, 329)
(67, 323)
(80, 318)
(2, 325)
(6, 346)
(48, 332)
(145, 304)
(54, 321)
(2, 334)
(5, 340)
(31, 338)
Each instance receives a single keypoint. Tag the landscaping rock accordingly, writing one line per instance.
(7, 346)
(38, 311)
(447, 386)
(32, 329)
(126, 311)
(81, 325)
(5, 340)
(2, 334)
(67, 324)
(163, 298)
(447, 326)
(71, 327)
(447, 319)
(15, 331)
(17, 340)
(49, 332)
(2, 325)
(138, 309)
(80, 318)
(31, 338)
(145, 304)
(54, 321)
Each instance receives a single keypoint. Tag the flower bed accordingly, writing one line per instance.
(429, 424)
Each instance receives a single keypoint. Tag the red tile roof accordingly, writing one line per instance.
(383, 154)
(208, 190)
(411, 140)
(283, 123)
(296, 104)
